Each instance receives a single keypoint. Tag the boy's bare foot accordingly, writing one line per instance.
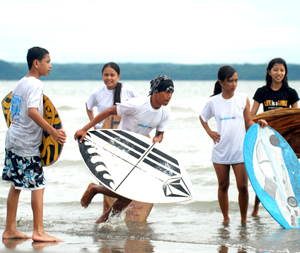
(14, 235)
(88, 195)
(44, 237)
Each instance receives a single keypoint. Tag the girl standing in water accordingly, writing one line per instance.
(231, 110)
(274, 95)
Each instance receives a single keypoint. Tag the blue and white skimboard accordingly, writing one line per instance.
(274, 172)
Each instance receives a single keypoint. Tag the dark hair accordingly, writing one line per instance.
(270, 66)
(113, 65)
(35, 53)
(224, 73)
(117, 94)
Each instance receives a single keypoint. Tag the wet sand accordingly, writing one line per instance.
(72, 243)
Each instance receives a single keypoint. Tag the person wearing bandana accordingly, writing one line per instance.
(139, 115)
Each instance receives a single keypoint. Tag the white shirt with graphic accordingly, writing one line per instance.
(229, 115)
(24, 136)
(140, 117)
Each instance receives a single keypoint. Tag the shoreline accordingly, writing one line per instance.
(72, 243)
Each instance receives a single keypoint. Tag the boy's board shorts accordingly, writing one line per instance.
(25, 173)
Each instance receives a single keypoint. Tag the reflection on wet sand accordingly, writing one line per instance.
(132, 246)
(12, 243)
(225, 249)
(41, 245)
(136, 232)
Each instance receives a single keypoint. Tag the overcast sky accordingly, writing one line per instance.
(152, 31)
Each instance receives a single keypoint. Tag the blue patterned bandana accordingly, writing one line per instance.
(161, 83)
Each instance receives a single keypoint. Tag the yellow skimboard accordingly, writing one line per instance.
(50, 149)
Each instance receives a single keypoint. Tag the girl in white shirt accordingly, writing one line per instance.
(109, 94)
(231, 110)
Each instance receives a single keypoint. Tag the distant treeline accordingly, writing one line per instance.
(143, 71)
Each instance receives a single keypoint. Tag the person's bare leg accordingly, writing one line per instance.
(222, 172)
(104, 217)
(106, 204)
(37, 204)
(255, 207)
(117, 207)
(94, 189)
(11, 231)
(242, 185)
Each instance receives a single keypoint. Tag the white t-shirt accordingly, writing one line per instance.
(103, 98)
(140, 117)
(229, 115)
(24, 136)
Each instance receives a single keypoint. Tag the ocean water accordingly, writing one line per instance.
(193, 226)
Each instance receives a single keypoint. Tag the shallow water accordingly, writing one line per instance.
(193, 226)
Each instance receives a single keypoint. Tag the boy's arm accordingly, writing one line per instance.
(101, 116)
(58, 135)
(158, 137)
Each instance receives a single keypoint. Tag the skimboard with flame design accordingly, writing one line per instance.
(130, 165)
(50, 149)
(136, 211)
